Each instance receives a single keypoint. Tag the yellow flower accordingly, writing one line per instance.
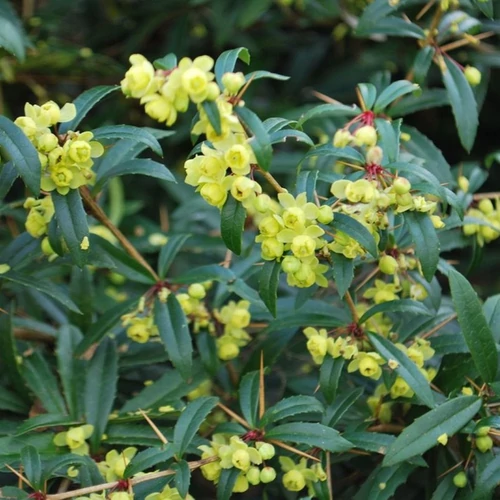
(368, 364)
(233, 82)
(75, 438)
(116, 462)
(160, 109)
(294, 481)
(140, 78)
(382, 292)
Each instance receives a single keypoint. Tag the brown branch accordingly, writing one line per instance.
(352, 307)
(269, 178)
(449, 319)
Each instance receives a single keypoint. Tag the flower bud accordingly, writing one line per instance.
(437, 222)
(272, 249)
(253, 476)
(233, 82)
(267, 475)
(290, 264)
(265, 450)
(228, 351)
(241, 459)
(484, 443)
(214, 194)
(366, 136)
(463, 183)
(460, 480)
(262, 203)
(303, 246)
(342, 138)
(483, 431)
(388, 264)
(472, 75)
(486, 206)
(374, 155)
(197, 291)
(401, 185)
(269, 226)
(325, 215)
(47, 142)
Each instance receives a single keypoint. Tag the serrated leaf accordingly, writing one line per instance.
(283, 135)
(46, 420)
(189, 422)
(84, 103)
(405, 368)
(422, 63)
(306, 183)
(346, 153)
(487, 480)
(463, 103)
(343, 272)
(169, 251)
(329, 111)
(288, 407)
(212, 111)
(174, 332)
(148, 458)
(226, 483)
(227, 61)
(232, 223)
(182, 478)
(72, 220)
(100, 389)
(210, 272)
(423, 433)
(32, 464)
(17, 148)
(249, 397)
(400, 305)
(368, 93)
(268, 284)
(428, 99)
(356, 230)
(392, 92)
(329, 377)
(136, 134)
(259, 141)
(474, 327)
(340, 406)
(10, 401)
(424, 236)
(317, 435)
(374, 442)
(257, 75)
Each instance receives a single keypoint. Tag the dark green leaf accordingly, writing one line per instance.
(8, 174)
(227, 61)
(393, 92)
(100, 389)
(346, 153)
(257, 75)
(17, 148)
(463, 103)
(400, 305)
(329, 111)
(289, 407)
(32, 466)
(306, 183)
(424, 236)
(356, 230)
(446, 489)
(45, 420)
(329, 377)
(406, 368)
(268, 284)
(283, 135)
(375, 442)
(232, 222)
(84, 103)
(189, 422)
(137, 134)
(182, 478)
(249, 397)
(148, 458)
(259, 140)
(169, 251)
(368, 93)
(12, 36)
(428, 99)
(487, 480)
(317, 435)
(10, 401)
(174, 332)
(475, 329)
(343, 272)
(212, 111)
(211, 272)
(72, 220)
(422, 63)
(226, 483)
(423, 433)
(340, 405)
(485, 6)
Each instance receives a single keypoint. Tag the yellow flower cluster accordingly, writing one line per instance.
(319, 344)
(235, 317)
(66, 159)
(113, 467)
(168, 493)
(224, 168)
(297, 475)
(291, 232)
(489, 214)
(75, 438)
(238, 454)
(140, 324)
(194, 308)
(167, 93)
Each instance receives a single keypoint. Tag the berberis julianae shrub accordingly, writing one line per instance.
(304, 349)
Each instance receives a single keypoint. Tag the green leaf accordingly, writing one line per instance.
(189, 422)
(100, 328)
(487, 480)
(282, 135)
(46, 420)
(148, 458)
(343, 272)
(485, 6)
(137, 166)
(232, 223)
(167, 62)
(259, 140)
(390, 477)
(422, 434)
(268, 284)
(71, 370)
(306, 183)
(446, 489)
(356, 230)
(182, 478)
(72, 220)
(329, 111)
(374, 442)
(491, 310)
(8, 174)
(227, 61)
(13, 493)
(392, 92)
(393, 26)
(257, 75)
(424, 236)
(43, 383)
(400, 305)
(100, 389)
(17, 148)
(210, 272)
(84, 103)
(368, 93)
(10, 401)
(249, 397)
(226, 483)
(12, 38)
(316, 435)
(289, 407)
(169, 251)
(474, 327)
(32, 466)
(422, 64)
(45, 286)
(212, 111)
(329, 377)
(389, 137)
(340, 406)
(346, 153)
(463, 103)
(428, 99)
(406, 368)
(137, 134)
(172, 325)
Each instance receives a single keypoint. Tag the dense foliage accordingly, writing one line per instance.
(279, 313)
